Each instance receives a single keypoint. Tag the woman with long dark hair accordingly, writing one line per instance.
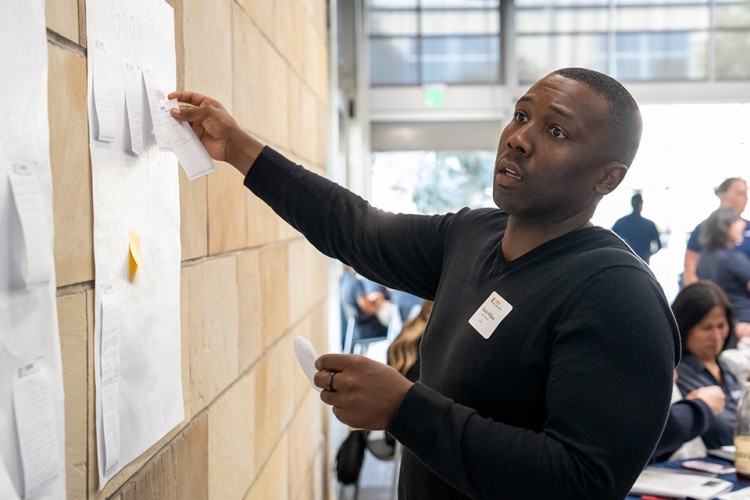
(705, 318)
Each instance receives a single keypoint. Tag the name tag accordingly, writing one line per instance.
(490, 314)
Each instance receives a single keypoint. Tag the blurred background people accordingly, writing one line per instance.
(639, 232)
(403, 353)
(408, 306)
(732, 192)
(365, 310)
(723, 262)
(705, 318)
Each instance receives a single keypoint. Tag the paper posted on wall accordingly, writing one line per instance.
(103, 99)
(134, 106)
(34, 256)
(35, 419)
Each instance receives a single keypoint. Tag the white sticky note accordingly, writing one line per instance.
(490, 314)
(155, 97)
(189, 150)
(103, 99)
(35, 423)
(134, 106)
(7, 490)
(110, 378)
(36, 261)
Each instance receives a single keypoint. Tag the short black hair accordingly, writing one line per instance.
(694, 302)
(626, 124)
(636, 200)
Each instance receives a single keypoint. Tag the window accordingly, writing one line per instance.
(416, 42)
(635, 40)
(430, 182)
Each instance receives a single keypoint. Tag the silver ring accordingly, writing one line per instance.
(329, 382)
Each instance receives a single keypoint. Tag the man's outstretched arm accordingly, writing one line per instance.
(217, 130)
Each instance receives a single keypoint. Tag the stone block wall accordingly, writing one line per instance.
(253, 428)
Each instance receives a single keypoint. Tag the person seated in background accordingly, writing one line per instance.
(705, 318)
(724, 263)
(403, 353)
(408, 305)
(688, 419)
(367, 303)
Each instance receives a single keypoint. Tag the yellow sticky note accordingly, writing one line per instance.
(135, 255)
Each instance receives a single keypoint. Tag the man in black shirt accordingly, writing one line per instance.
(548, 359)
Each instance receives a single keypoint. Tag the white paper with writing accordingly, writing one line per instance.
(136, 194)
(185, 144)
(490, 314)
(103, 99)
(156, 96)
(35, 422)
(110, 377)
(35, 228)
(134, 104)
(28, 315)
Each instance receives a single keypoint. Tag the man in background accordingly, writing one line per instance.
(639, 232)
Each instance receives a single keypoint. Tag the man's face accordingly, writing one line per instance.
(550, 155)
(735, 196)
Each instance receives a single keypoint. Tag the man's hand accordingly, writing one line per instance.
(220, 134)
(712, 395)
(366, 393)
(371, 303)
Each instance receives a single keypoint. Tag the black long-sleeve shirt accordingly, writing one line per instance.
(566, 398)
(688, 419)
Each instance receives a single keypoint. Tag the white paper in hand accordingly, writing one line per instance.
(191, 154)
(306, 356)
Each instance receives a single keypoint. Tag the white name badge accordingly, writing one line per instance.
(490, 314)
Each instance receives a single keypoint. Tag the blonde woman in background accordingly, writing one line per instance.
(403, 353)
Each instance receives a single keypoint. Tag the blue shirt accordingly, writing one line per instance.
(692, 375)
(730, 269)
(694, 242)
(640, 233)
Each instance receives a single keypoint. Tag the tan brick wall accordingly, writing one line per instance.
(253, 428)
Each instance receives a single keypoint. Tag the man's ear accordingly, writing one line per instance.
(612, 175)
